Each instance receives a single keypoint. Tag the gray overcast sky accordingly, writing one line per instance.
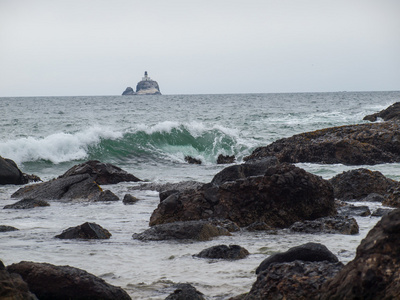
(83, 47)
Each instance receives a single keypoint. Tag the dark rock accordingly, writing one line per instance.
(27, 203)
(147, 86)
(352, 210)
(230, 252)
(185, 291)
(390, 113)
(253, 168)
(331, 225)
(85, 231)
(258, 226)
(72, 188)
(102, 173)
(13, 287)
(307, 252)
(189, 230)
(129, 199)
(161, 187)
(11, 174)
(284, 195)
(5, 228)
(375, 271)
(225, 159)
(192, 160)
(380, 212)
(392, 198)
(373, 197)
(360, 183)
(227, 224)
(49, 282)
(128, 91)
(296, 280)
(363, 144)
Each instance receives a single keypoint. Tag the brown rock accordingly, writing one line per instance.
(49, 282)
(373, 143)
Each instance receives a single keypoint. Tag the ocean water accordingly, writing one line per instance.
(149, 136)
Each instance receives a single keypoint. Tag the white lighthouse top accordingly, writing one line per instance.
(146, 77)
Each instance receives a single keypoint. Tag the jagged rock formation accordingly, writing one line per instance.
(390, 113)
(146, 86)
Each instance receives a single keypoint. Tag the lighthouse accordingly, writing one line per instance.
(146, 77)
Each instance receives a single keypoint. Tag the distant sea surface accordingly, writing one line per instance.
(149, 136)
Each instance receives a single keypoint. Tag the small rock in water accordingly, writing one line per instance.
(85, 231)
(225, 159)
(224, 252)
(185, 291)
(129, 199)
(5, 228)
(27, 203)
(192, 160)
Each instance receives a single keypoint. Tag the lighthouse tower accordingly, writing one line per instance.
(146, 77)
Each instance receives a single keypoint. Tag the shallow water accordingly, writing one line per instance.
(149, 137)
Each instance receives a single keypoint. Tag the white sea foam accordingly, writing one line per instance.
(57, 147)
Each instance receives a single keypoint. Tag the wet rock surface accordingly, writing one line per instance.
(375, 271)
(85, 231)
(363, 144)
(11, 174)
(6, 228)
(13, 287)
(361, 183)
(189, 230)
(292, 280)
(330, 225)
(307, 252)
(390, 113)
(49, 282)
(225, 159)
(231, 252)
(185, 291)
(27, 204)
(282, 196)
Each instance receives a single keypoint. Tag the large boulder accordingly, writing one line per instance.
(362, 144)
(13, 287)
(11, 174)
(72, 188)
(87, 231)
(356, 185)
(81, 182)
(49, 282)
(375, 271)
(306, 252)
(190, 230)
(284, 194)
(390, 113)
(102, 173)
(296, 280)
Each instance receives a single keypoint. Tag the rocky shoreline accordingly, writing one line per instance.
(266, 193)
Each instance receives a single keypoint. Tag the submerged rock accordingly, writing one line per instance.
(307, 252)
(390, 113)
(362, 144)
(225, 159)
(330, 225)
(189, 230)
(192, 160)
(27, 204)
(231, 252)
(185, 291)
(375, 271)
(5, 228)
(85, 231)
(49, 282)
(284, 195)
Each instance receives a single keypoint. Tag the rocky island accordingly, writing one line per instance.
(146, 86)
